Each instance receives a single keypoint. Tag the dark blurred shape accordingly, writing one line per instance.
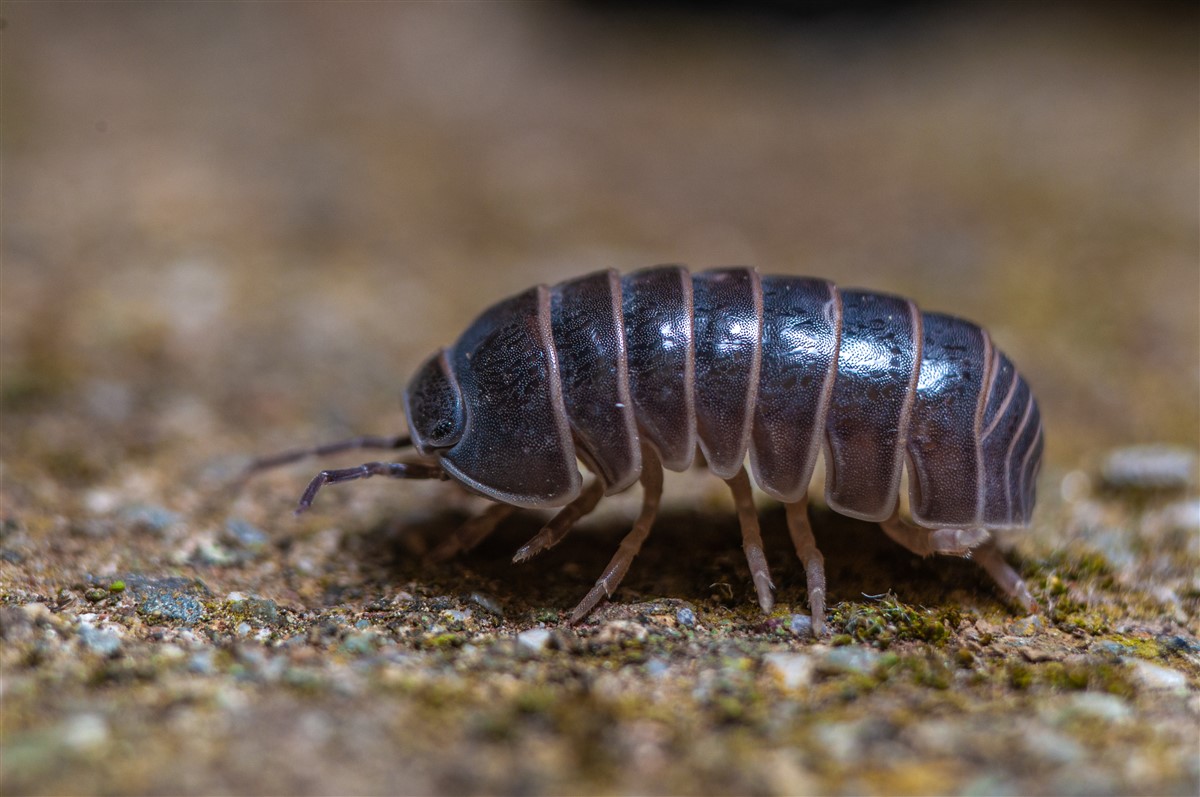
(867, 15)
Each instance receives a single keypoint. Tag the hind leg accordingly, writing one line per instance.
(814, 563)
(926, 542)
(652, 482)
(1010, 583)
(977, 544)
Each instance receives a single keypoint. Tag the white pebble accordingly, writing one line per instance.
(1156, 676)
(100, 502)
(1150, 467)
(795, 670)
(1095, 706)
(534, 639)
(85, 732)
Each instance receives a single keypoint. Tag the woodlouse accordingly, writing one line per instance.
(633, 374)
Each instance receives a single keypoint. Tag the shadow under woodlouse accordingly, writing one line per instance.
(861, 561)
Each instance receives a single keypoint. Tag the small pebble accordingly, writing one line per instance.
(1111, 647)
(535, 639)
(104, 642)
(487, 603)
(171, 652)
(1051, 747)
(361, 643)
(1036, 655)
(616, 631)
(260, 610)
(213, 554)
(848, 659)
(686, 617)
(1027, 626)
(172, 598)
(842, 741)
(100, 501)
(1182, 516)
(795, 670)
(150, 518)
(172, 607)
(244, 535)
(84, 732)
(801, 625)
(1095, 706)
(1156, 676)
(1181, 643)
(1151, 467)
(202, 662)
(657, 667)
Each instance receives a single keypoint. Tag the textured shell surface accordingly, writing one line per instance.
(733, 364)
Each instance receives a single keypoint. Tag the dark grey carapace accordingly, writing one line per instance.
(631, 374)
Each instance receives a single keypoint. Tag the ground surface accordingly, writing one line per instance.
(229, 229)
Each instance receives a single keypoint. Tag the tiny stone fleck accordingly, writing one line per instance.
(535, 639)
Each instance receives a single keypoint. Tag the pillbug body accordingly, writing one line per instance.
(636, 373)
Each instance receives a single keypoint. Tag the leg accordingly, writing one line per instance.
(752, 542)
(990, 559)
(652, 479)
(353, 444)
(554, 531)
(976, 544)
(925, 542)
(814, 562)
(471, 533)
(396, 470)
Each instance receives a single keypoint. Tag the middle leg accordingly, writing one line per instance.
(652, 483)
(814, 563)
(752, 542)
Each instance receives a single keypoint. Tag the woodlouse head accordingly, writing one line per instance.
(434, 406)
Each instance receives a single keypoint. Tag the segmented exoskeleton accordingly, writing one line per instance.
(631, 374)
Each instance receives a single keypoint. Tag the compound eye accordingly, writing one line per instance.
(434, 406)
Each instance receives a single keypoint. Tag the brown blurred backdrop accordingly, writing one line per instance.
(230, 226)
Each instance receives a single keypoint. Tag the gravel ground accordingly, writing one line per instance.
(231, 229)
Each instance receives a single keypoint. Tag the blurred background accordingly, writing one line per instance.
(244, 224)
